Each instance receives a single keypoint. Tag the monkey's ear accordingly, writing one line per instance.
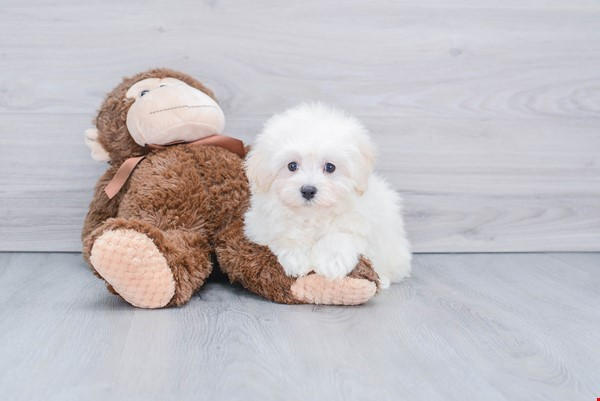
(91, 140)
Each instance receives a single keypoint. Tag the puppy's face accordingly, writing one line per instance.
(311, 156)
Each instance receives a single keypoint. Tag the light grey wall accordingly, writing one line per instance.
(487, 113)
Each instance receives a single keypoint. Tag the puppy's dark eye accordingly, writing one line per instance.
(293, 166)
(330, 168)
(142, 93)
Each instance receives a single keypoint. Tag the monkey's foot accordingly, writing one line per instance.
(132, 264)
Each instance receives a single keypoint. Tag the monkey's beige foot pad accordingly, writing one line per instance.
(130, 262)
(317, 289)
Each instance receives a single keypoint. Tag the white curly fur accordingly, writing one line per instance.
(353, 212)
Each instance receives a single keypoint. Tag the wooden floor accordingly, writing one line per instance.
(464, 327)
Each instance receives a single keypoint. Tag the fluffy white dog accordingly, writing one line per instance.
(315, 201)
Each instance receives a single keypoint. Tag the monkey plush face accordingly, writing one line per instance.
(157, 107)
(166, 110)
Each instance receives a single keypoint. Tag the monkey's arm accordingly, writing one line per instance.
(257, 269)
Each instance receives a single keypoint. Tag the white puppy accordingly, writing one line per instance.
(315, 202)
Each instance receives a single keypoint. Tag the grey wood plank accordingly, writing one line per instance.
(478, 326)
(496, 186)
(530, 58)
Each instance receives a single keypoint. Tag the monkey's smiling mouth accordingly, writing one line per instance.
(185, 106)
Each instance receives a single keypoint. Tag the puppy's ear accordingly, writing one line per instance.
(363, 165)
(259, 170)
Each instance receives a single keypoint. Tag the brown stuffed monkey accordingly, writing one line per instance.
(174, 195)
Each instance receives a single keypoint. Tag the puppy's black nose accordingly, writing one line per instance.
(308, 192)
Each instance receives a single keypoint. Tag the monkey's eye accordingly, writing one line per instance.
(330, 168)
(142, 93)
(293, 166)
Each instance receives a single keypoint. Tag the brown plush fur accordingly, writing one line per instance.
(190, 200)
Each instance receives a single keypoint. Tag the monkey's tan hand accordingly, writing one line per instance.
(355, 289)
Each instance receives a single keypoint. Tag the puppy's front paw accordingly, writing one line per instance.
(295, 263)
(333, 263)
